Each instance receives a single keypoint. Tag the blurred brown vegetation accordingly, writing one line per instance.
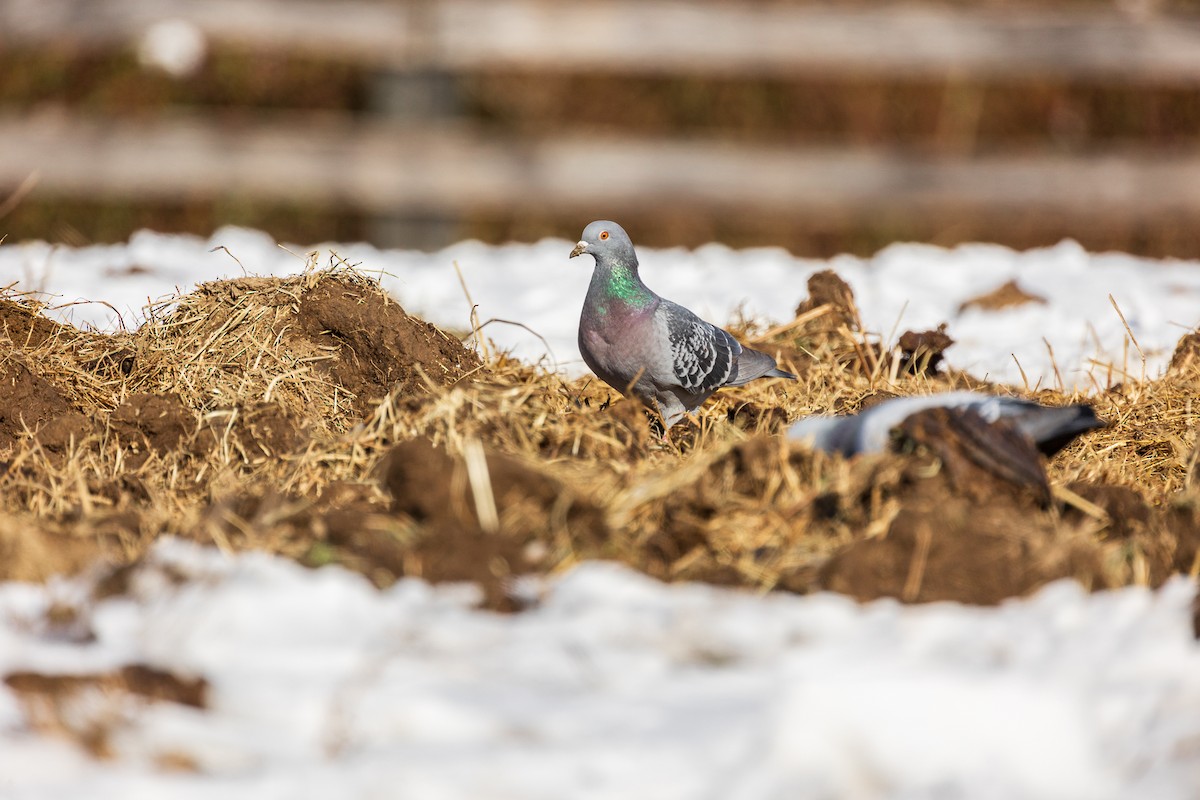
(921, 116)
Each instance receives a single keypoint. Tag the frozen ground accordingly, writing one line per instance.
(905, 286)
(616, 686)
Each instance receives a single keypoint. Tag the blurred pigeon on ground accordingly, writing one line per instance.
(643, 345)
(1049, 428)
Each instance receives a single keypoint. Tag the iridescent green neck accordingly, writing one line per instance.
(621, 282)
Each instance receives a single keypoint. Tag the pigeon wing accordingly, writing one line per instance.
(702, 355)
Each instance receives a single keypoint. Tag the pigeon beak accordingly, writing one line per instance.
(579, 250)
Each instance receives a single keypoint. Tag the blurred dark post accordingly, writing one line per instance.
(417, 90)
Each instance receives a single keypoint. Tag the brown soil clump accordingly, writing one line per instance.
(959, 550)
(379, 347)
(65, 431)
(485, 516)
(85, 707)
(152, 423)
(922, 353)
(826, 288)
(828, 320)
(1010, 295)
(25, 325)
(1186, 357)
(29, 401)
(250, 433)
(966, 528)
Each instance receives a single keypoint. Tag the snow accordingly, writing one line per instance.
(615, 685)
(905, 286)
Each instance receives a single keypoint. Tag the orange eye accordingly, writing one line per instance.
(603, 234)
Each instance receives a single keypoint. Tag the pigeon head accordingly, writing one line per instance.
(607, 242)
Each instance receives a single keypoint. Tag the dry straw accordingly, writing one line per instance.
(248, 414)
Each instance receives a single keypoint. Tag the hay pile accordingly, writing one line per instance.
(312, 417)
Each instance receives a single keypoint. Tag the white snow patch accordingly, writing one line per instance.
(616, 686)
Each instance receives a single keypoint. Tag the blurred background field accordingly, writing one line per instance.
(821, 127)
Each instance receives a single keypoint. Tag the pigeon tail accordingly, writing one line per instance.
(754, 364)
(1053, 428)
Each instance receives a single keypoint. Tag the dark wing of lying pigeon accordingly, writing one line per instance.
(1050, 428)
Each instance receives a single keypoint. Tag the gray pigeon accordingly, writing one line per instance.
(645, 346)
(1050, 428)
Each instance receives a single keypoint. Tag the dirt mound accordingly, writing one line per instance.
(1008, 295)
(152, 423)
(83, 367)
(244, 414)
(832, 323)
(940, 523)
(379, 346)
(1186, 357)
(922, 352)
(485, 516)
(967, 529)
(23, 322)
(478, 516)
(144, 433)
(954, 549)
(324, 345)
(28, 402)
(826, 288)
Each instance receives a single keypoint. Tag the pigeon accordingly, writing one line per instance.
(1049, 428)
(644, 345)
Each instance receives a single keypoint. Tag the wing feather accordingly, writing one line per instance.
(704, 357)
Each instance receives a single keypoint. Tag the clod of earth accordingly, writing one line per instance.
(1008, 295)
(486, 516)
(86, 707)
(923, 352)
